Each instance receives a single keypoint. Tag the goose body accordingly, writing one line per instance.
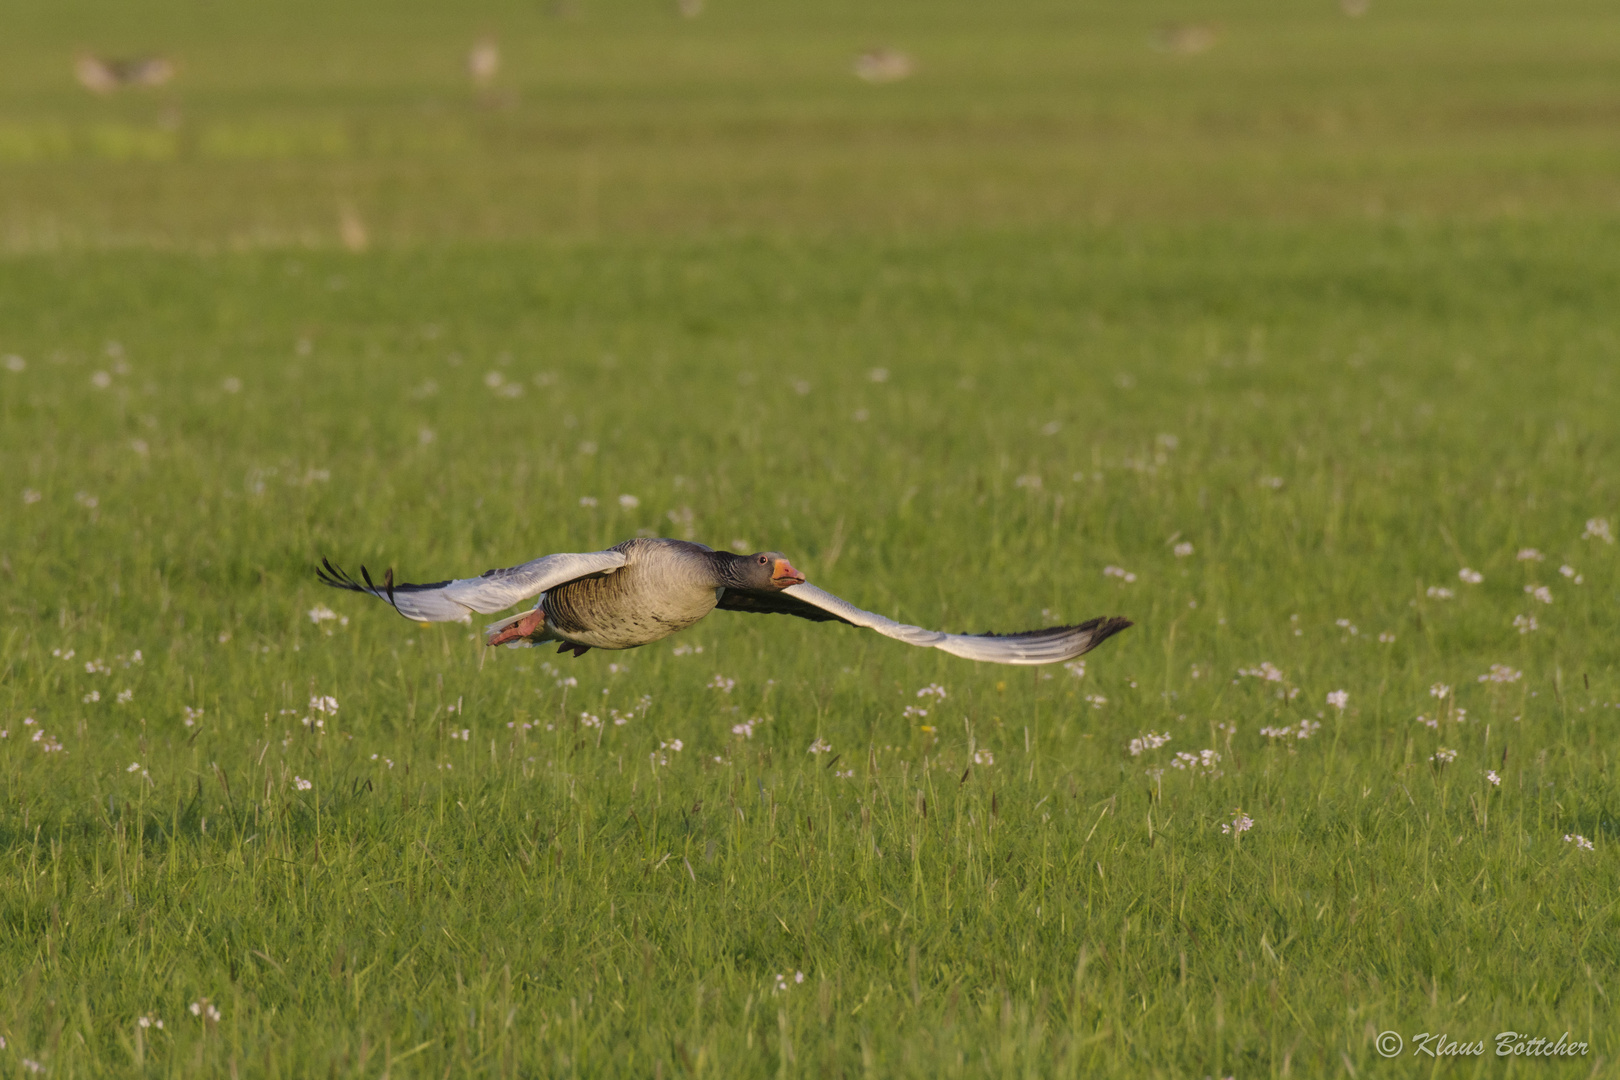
(664, 586)
(646, 589)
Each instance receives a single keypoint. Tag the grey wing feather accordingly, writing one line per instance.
(1047, 646)
(491, 591)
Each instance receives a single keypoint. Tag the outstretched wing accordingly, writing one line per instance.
(1031, 647)
(491, 591)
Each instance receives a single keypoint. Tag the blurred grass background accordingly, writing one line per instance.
(619, 118)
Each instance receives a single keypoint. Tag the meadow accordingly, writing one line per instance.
(1298, 353)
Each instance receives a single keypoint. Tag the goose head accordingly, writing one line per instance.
(764, 570)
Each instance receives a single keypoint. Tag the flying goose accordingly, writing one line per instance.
(645, 589)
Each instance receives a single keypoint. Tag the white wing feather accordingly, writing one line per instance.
(1035, 647)
(491, 591)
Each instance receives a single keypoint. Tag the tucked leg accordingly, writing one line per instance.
(531, 625)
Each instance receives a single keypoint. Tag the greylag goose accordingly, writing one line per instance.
(643, 590)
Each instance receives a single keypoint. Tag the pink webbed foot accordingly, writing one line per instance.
(530, 625)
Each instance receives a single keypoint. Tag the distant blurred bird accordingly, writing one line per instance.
(1187, 39)
(101, 75)
(351, 229)
(643, 590)
(1354, 8)
(484, 62)
(689, 9)
(884, 65)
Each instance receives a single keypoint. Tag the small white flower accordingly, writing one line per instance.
(1182, 550)
(629, 502)
(1429, 722)
(820, 746)
(1540, 592)
(320, 613)
(1501, 673)
(191, 715)
(1440, 691)
(1526, 624)
(1028, 480)
(15, 363)
(1529, 555)
(324, 703)
(1149, 741)
(1096, 701)
(877, 374)
(673, 744)
(1440, 592)
(722, 684)
(1119, 572)
(94, 695)
(1578, 840)
(125, 697)
(1496, 781)
(30, 496)
(745, 729)
(913, 711)
(1339, 699)
(1470, 577)
(231, 385)
(86, 500)
(567, 682)
(1598, 529)
(1306, 729)
(101, 380)
(1443, 756)
(1386, 638)
(1077, 668)
(983, 757)
(1204, 760)
(1569, 572)
(932, 690)
(424, 436)
(1275, 483)
(1347, 626)
(1240, 824)
(301, 784)
(1266, 670)
(134, 766)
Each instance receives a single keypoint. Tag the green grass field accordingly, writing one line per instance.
(1303, 334)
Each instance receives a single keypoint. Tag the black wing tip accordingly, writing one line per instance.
(1099, 629)
(339, 578)
(1104, 628)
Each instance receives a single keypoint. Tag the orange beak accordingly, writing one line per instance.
(783, 574)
